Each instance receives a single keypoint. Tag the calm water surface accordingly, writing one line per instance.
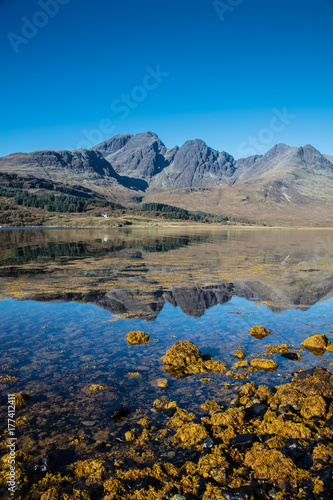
(70, 296)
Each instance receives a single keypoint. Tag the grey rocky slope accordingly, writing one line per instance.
(282, 157)
(141, 156)
(82, 167)
(144, 156)
(135, 167)
(196, 165)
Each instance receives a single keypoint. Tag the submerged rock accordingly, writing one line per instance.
(294, 356)
(162, 405)
(239, 354)
(97, 387)
(21, 400)
(215, 366)
(259, 332)
(137, 337)
(162, 382)
(119, 413)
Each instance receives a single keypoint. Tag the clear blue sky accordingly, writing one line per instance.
(78, 72)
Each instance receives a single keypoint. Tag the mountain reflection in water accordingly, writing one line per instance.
(135, 272)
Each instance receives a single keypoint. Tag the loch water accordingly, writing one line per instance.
(69, 297)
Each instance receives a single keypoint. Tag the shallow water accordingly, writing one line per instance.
(70, 297)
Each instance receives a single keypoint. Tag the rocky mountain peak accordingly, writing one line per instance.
(111, 145)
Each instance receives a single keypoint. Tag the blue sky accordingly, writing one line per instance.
(76, 72)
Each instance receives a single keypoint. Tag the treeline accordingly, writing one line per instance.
(54, 203)
(171, 212)
(51, 202)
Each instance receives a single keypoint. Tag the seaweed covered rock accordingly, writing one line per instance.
(272, 465)
(21, 400)
(288, 394)
(137, 337)
(97, 387)
(247, 389)
(94, 469)
(215, 366)
(313, 406)
(191, 434)
(213, 465)
(239, 354)
(182, 359)
(317, 381)
(162, 382)
(316, 342)
(180, 417)
(267, 365)
(259, 332)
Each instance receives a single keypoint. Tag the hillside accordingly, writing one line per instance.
(286, 186)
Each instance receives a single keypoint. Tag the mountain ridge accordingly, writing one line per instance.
(132, 168)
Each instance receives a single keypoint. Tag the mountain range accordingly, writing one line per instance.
(284, 186)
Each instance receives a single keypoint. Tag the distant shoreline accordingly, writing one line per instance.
(166, 226)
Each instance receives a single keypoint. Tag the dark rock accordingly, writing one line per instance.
(307, 485)
(208, 443)
(143, 483)
(76, 168)
(119, 413)
(265, 437)
(285, 409)
(284, 485)
(305, 462)
(120, 436)
(242, 441)
(289, 417)
(297, 457)
(293, 446)
(243, 493)
(329, 423)
(42, 465)
(195, 165)
(169, 412)
(169, 494)
(201, 485)
(256, 411)
(324, 475)
(290, 355)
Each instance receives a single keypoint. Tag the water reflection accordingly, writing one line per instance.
(135, 272)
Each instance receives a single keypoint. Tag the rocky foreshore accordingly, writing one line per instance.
(267, 443)
(263, 443)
